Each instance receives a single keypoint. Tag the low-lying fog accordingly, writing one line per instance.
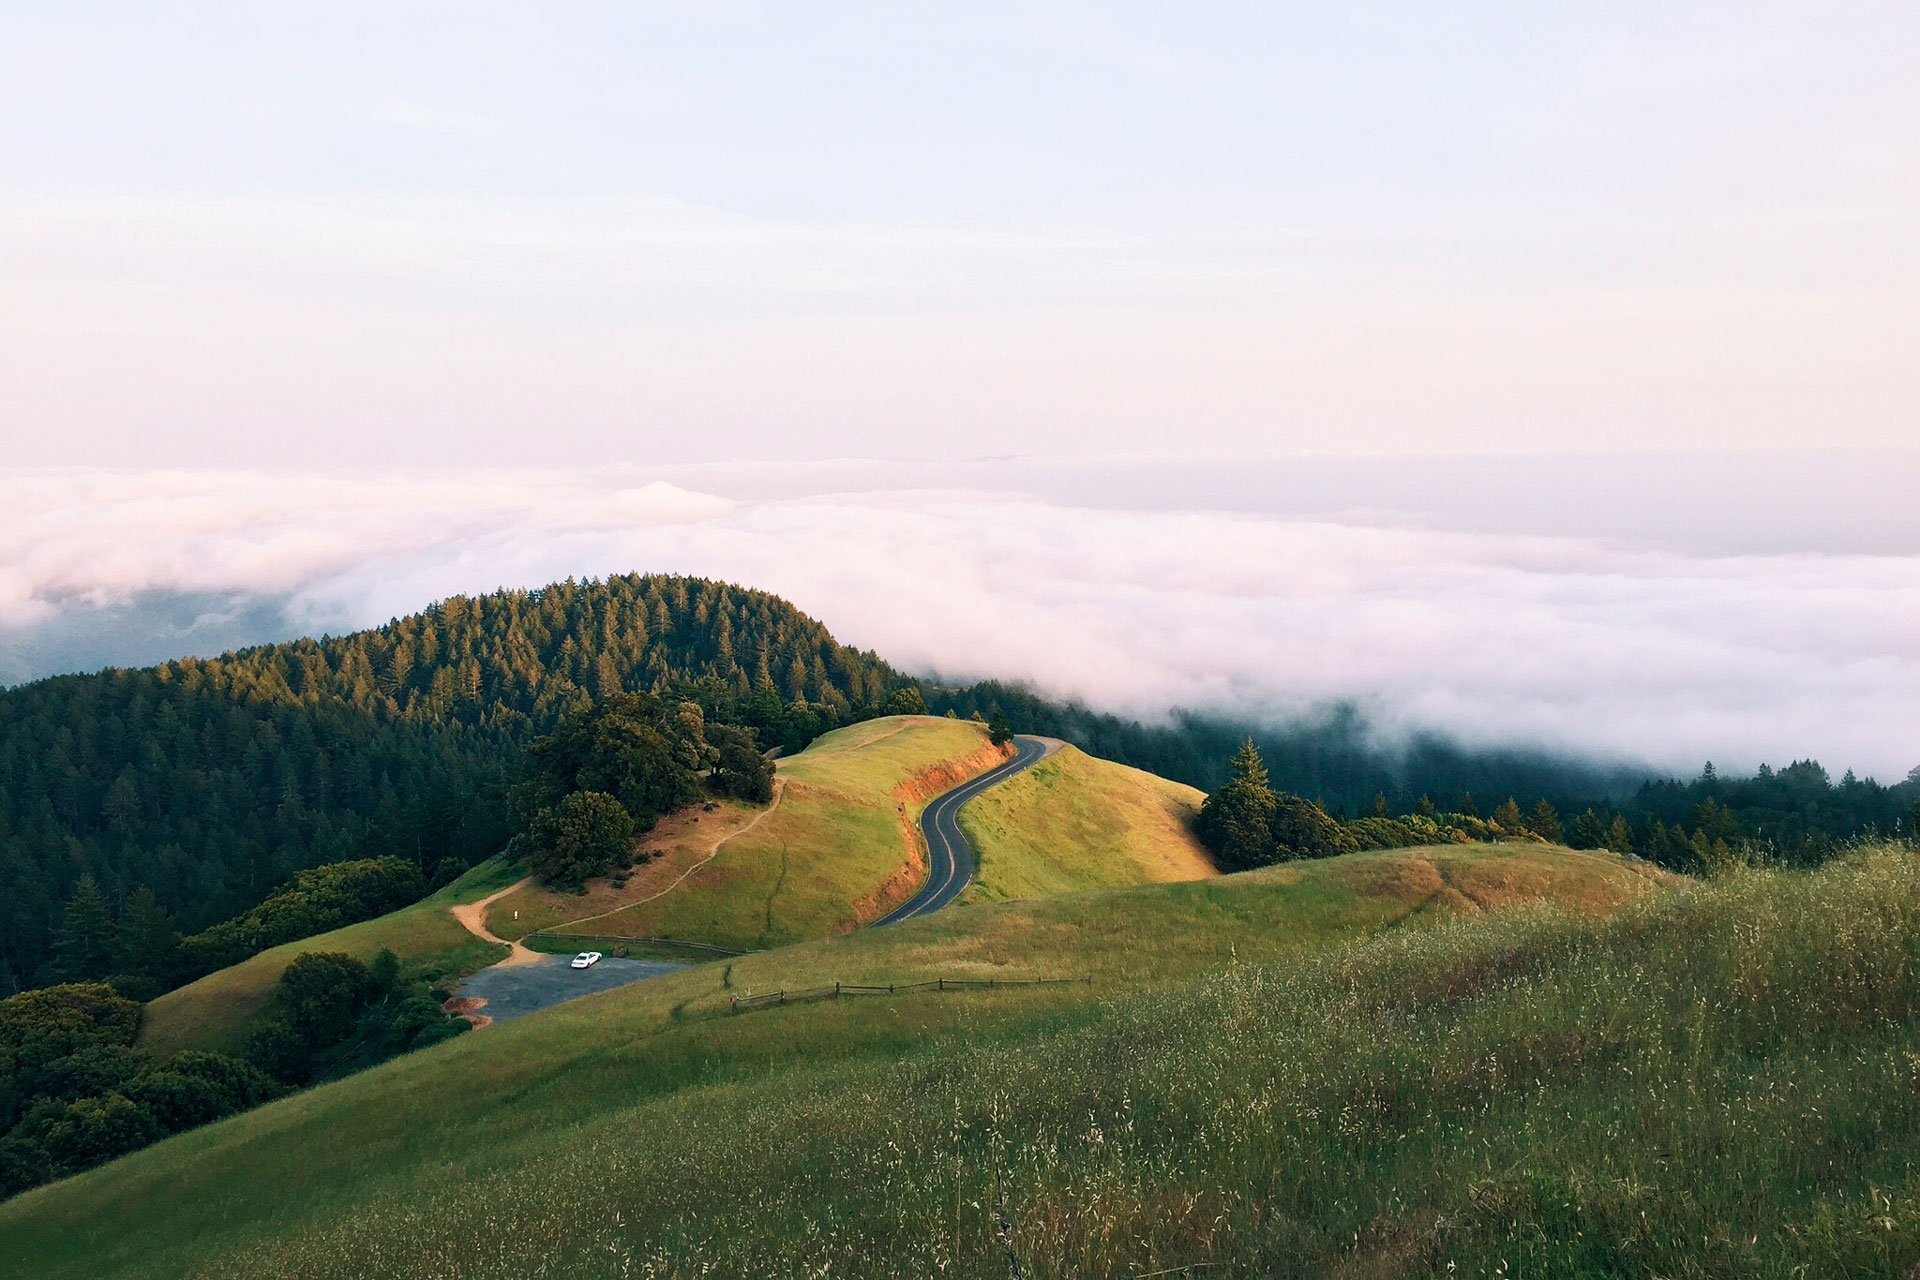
(1671, 609)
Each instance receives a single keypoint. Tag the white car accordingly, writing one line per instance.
(586, 960)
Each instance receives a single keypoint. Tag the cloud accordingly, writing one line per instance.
(1573, 643)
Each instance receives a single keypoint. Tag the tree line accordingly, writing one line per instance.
(208, 783)
(139, 953)
(1795, 817)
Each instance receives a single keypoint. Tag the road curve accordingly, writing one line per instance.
(949, 857)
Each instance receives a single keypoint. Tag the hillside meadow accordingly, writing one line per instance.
(1247, 1042)
(839, 845)
(839, 849)
(214, 1012)
(1076, 822)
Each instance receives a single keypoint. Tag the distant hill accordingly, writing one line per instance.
(211, 780)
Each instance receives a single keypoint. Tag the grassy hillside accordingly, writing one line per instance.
(214, 1012)
(678, 844)
(833, 852)
(838, 850)
(1214, 1068)
(1077, 822)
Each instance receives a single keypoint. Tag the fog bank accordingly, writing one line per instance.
(1601, 645)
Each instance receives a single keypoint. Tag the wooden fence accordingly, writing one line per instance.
(739, 1003)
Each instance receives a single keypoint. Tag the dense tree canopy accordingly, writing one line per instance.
(211, 781)
(1798, 815)
(75, 1092)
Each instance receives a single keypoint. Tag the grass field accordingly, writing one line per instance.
(216, 1011)
(1266, 1065)
(1076, 822)
(837, 851)
(679, 843)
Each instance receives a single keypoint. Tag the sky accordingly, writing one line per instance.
(1542, 373)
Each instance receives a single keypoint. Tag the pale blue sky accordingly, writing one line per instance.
(302, 235)
(436, 298)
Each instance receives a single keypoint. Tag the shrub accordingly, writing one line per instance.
(383, 975)
(1386, 833)
(23, 1163)
(906, 702)
(240, 1084)
(321, 993)
(1302, 829)
(277, 1050)
(177, 1101)
(576, 839)
(95, 1130)
(38, 1026)
(86, 1072)
(741, 770)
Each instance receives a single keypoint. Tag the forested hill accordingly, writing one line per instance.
(211, 781)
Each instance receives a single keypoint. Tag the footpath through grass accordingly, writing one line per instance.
(1184, 1101)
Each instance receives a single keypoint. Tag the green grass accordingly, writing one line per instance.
(677, 844)
(216, 1011)
(1210, 1091)
(1077, 822)
(817, 863)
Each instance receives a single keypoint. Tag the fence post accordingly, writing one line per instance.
(836, 990)
(942, 984)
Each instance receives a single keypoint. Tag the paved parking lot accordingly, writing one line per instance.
(512, 991)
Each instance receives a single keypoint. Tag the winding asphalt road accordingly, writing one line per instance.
(950, 860)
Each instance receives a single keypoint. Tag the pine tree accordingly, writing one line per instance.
(1620, 835)
(1544, 822)
(146, 935)
(999, 732)
(1247, 766)
(1507, 817)
(1589, 831)
(1236, 822)
(1379, 809)
(1467, 807)
(83, 949)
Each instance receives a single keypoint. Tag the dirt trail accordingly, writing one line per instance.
(779, 790)
(473, 918)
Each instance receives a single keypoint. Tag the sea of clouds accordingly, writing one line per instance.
(1601, 645)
